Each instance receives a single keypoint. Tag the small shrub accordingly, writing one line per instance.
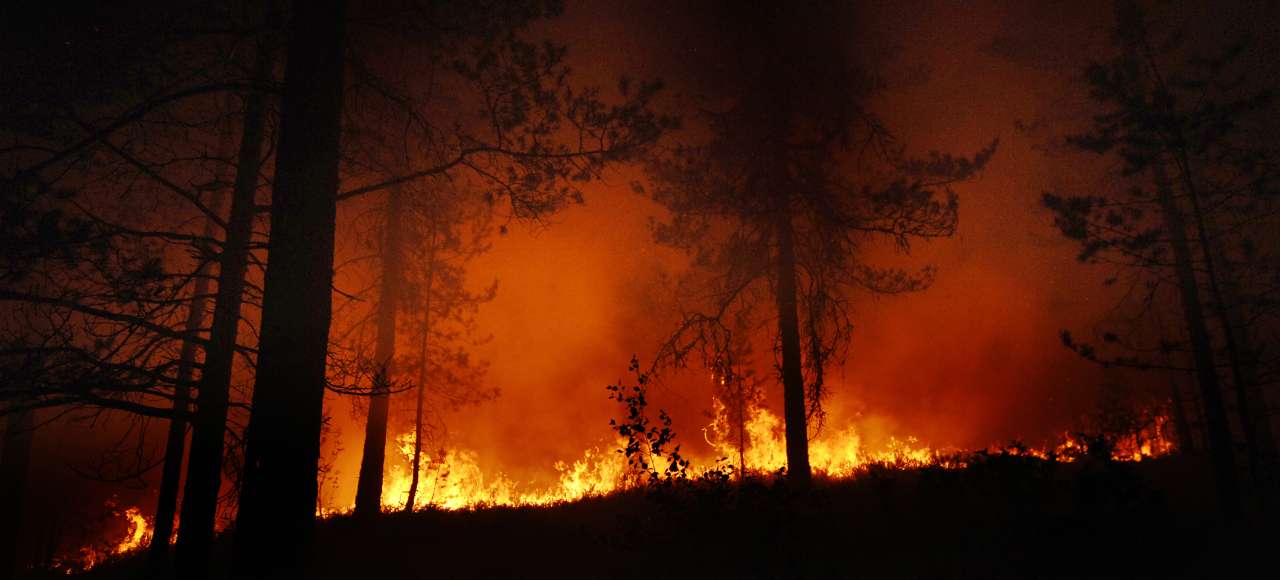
(646, 441)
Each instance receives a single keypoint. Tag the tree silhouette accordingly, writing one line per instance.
(155, 129)
(205, 465)
(15, 459)
(778, 199)
(1191, 197)
(369, 484)
(541, 137)
(282, 447)
(451, 229)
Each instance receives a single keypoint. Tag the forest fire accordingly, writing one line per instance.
(453, 479)
(135, 535)
(335, 288)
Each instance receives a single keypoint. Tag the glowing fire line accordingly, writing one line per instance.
(454, 480)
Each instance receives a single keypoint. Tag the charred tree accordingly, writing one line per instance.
(278, 494)
(369, 485)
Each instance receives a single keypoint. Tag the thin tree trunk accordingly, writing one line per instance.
(1199, 425)
(1176, 144)
(176, 438)
(1178, 407)
(422, 372)
(1186, 444)
(204, 466)
(1217, 429)
(1248, 353)
(14, 465)
(276, 520)
(1217, 426)
(369, 485)
(742, 433)
(1238, 380)
(794, 413)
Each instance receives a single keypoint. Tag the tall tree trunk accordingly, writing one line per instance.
(369, 485)
(1229, 332)
(794, 412)
(1217, 429)
(422, 371)
(278, 496)
(1178, 407)
(14, 464)
(1217, 426)
(175, 440)
(1175, 143)
(1249, 385)
(204, 466)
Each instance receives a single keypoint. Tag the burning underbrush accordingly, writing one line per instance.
(453, 479)
(1004, 513)
(129, 531)
(747, 454)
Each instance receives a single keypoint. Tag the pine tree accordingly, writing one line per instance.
(774, 206)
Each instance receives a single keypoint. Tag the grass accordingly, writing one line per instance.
(1002, 516)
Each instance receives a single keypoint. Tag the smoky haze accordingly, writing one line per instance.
(972, 361)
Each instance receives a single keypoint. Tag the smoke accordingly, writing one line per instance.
(972, 361)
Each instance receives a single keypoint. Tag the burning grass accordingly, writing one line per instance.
(1001, 514)
(452, 480)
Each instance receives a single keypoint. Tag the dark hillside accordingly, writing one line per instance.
(1003, 516)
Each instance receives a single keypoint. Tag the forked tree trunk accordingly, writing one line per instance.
(204, 466)
(276, 520)
(794, 408)
(14, 464)
(369, 485)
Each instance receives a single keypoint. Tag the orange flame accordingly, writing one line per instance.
(137, 535)
(139, 532)
(454, 480)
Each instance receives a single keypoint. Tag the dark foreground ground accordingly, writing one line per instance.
(1003, 516)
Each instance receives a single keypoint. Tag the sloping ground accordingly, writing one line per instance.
(1000, 517)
